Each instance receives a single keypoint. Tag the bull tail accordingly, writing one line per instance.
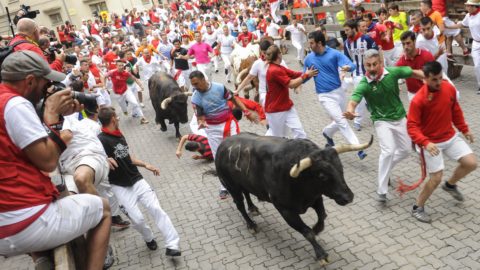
(211, 172)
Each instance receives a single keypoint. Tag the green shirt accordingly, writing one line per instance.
(383, 97)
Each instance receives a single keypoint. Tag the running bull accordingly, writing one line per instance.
(291, 174)
(168, 101)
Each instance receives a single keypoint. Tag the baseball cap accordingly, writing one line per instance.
(22, 63)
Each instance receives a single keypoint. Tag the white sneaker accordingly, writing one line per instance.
(142, 105)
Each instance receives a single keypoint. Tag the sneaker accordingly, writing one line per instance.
(382, 198)
(118, 222)
(453, 191)
(223, 194)
(329, 140)
(357, 126)
(173, 252)
(142, 105)
(152, 245)
(144, 121)
(421, 215)
(478, 91)
(109, 258)
(361, 155)
(229, 81)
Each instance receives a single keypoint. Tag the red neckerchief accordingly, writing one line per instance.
(416, 28)
(476, 12)
(379, 75)
(115, 133)
(357, 36)
(149, 59)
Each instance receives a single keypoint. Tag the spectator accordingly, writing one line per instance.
(33, 218)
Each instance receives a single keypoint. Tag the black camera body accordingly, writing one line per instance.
(88, 100)
(25, 13)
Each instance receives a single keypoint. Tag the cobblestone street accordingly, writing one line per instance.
(361, 235)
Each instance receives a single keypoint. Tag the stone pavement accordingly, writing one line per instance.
(361, 235)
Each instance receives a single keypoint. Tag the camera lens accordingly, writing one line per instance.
(88, 100)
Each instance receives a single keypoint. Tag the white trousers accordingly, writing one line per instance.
(389, 57)
(227, 64)
(99, 39)
(215, 137)
(300, 46)
(273, 11)
(129, 97)
(205, 69)
(334, 104)
(476, 59)
(142, 193)
(395, 145)
(279, 121)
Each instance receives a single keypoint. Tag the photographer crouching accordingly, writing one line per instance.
(32, 218)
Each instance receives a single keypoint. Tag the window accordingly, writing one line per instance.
(101, 6)
(56, 18)
(146, 2)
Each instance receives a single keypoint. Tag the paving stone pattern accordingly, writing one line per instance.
(361, 235)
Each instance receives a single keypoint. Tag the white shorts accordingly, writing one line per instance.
(455, 149)
(98, 163)
(63, 221)
(450, 32)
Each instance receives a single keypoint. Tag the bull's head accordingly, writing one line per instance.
(326, 166)
(177, 104)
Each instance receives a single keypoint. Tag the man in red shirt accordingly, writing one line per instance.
(414, 58)
(195, 143)
(121, 92)
(246, 37)
(278, 105)
(27, 29)
(385, 29)
(432, 112)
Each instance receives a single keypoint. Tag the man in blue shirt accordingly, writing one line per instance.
(329, 88)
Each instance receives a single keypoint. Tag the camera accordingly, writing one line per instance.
(25, 12)
(88, 100)
(69, 58)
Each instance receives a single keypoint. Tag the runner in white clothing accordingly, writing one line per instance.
(427, 40)
(226, 42)
(298, 34)
(147, 66)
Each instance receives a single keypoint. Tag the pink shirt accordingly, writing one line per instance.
(200, 50)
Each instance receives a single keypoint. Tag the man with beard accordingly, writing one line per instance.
(432, 112)
(380, 89)
(32, 217)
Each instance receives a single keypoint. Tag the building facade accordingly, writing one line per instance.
(55, 12)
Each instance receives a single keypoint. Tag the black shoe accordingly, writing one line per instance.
(109, 259)
(173, 252)
(478, 91)
(216, 70)
(118, 222)
(152, 245)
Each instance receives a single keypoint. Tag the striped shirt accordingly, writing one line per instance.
(355, 48)
(204, 149)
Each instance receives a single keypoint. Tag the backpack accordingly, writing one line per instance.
(7, 50)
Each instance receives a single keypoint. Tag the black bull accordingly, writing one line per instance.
(291, 174)
(168, 101)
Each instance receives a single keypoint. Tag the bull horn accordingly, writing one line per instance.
(304, 164)
(239, 76)
(353, 147)
(165, 103)
(188, 94)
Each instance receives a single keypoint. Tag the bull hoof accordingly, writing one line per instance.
(253, 229)
(254, 212)
(323, 262)
(163, 129)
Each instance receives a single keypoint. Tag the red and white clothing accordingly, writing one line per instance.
(278, 105)
(28, 196)
(244, 39)
(274, 7)
(430, 119)
(298, 39)
(122, 93)
(473, 23)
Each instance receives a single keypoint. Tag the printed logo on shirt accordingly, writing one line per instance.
(120, 151)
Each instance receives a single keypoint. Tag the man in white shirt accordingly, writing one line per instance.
(298, 35)
(210, 37)
(274, 31)
(427, 40)
(147, 66)
(226, 42)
